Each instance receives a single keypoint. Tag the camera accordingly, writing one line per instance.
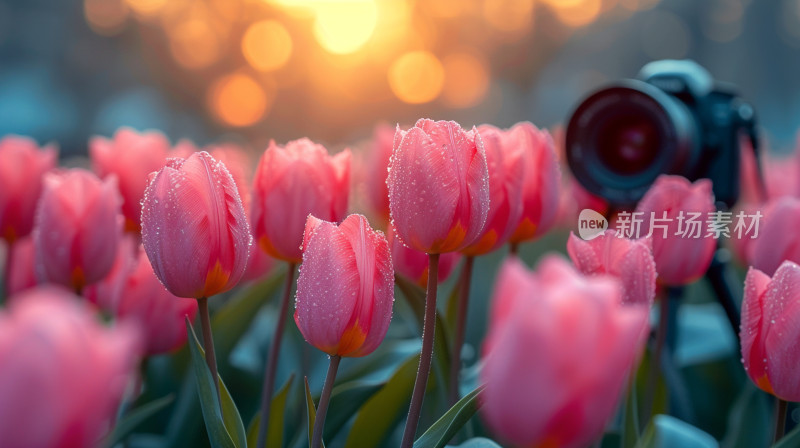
(672, 119)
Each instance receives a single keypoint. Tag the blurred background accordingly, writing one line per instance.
(251, 70)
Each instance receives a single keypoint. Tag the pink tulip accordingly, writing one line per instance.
(194, 227)
(132, 293)
(239, 165)
(22, 267)
(540, 195)
(438, 186)
(78, 227)
(377, 170)
(560, 348)
(506, 159)
(291, 183)
(777, 239)
(770, 330)
(781, 174)
(629, 260)
(62, 374)
(681, 258)
(131, 157)
(414, 264)
(22, 166)
(345, 290)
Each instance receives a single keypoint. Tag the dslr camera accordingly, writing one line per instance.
(672, 119)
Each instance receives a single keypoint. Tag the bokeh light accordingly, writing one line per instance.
(267, 45)
(344, 27)
(416, 77)
(105, 17)
(466, 79)
(146, 8)
(194, 44)
(577, 12)
(238, 100)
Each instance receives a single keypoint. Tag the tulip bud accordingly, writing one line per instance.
(631, 261)
(62, 374)
(438, 186)
(78, 227)
(684, 250)
(540, 187)
(777, 239)
(543, 325)
(132, 293)
(770, 330)
(131, 157)
(345, 290)
(377, 170)
(506, 165)
(414, 264)
(292, 182)
(194, 227)
(22, 166)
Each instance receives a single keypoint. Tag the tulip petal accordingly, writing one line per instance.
(420, 181)
(781, 331)
(752, 328)
(328, 283)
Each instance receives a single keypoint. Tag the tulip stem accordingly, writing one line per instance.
(780, 418)
(513, 249)
(461, 323)
(424, 370)
(324, 399)
(272, 360)
(655, 361)
(208, 343)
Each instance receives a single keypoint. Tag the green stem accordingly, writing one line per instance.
(324, 399)
(272, 360)
(655, 362)
(780, 418)
(461, 323)
(424, 370)
(208, 343)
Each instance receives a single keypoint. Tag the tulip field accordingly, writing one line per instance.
(431, 287)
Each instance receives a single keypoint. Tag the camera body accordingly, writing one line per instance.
(673, 119)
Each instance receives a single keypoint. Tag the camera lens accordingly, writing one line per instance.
(621, 138)
(628, 145)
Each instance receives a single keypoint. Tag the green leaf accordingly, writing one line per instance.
(231, 417)
(135, 417)
(448, 425)
(379, 415)
(312, 413)
(790, 440)
(231, 321)
(276, 415)
(477, 442)
(660, 403)
(750, 420)
(346, 399)
(218, 434)
(630, 420)
(665, 431)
